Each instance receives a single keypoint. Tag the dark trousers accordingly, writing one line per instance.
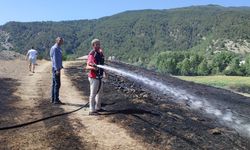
(56, 84)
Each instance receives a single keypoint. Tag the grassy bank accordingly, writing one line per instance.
(236, 83)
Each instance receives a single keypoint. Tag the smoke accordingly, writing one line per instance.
(227, 117)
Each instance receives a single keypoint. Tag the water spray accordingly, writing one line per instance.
(228, 117)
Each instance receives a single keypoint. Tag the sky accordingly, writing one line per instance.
(64, 10)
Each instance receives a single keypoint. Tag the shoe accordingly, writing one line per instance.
(94, 113)
(58, 102)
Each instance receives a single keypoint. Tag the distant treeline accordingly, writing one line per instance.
(193, 64)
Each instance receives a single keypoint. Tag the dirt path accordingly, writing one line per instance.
(29, 91)
(101, 133)
(23, 108)
(75, 131)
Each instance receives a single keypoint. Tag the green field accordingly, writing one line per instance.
(236, 83)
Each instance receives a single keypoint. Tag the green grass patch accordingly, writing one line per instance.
(237, 83)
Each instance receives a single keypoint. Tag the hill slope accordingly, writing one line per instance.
(130, 34)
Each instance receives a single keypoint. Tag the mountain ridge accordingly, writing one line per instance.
(139, 36)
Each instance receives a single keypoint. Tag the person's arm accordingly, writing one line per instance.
(51, 53)
(27, 55)
(56, 60)
(90, 63)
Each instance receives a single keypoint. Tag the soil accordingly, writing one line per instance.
(135, 116)
(25, 97)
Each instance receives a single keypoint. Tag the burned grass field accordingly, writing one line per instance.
(160, 119)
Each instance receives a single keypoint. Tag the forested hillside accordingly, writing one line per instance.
(171, 41)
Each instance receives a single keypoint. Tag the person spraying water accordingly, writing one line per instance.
(95, 76)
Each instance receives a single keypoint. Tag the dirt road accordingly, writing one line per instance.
(26, 97)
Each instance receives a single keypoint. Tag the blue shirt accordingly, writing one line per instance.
(56, 57)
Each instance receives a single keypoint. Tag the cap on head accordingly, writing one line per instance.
(94, 41)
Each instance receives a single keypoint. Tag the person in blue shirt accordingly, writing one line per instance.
(56, 58)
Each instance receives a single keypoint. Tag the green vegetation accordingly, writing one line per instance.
(186, 41)
(237, 83)
(192, 63)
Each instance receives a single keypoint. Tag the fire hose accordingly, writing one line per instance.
(42, 119)
(49, 117)
(99, 78)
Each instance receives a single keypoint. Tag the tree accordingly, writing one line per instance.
(234, 68)
(185, 67)
(195, 60)
(221, 60)
(203, 68)
(246, 66)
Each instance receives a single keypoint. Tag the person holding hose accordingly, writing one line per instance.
(95, 57)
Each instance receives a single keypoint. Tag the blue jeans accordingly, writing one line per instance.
(56, 84)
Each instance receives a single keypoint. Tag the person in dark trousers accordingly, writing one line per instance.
(95, 57)
(56, 58)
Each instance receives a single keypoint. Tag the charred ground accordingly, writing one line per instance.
(156, 119)
(153, 120)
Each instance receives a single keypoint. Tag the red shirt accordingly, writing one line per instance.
(91, 59)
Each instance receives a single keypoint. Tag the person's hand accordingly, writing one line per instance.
(58, 72)
(94, 67)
